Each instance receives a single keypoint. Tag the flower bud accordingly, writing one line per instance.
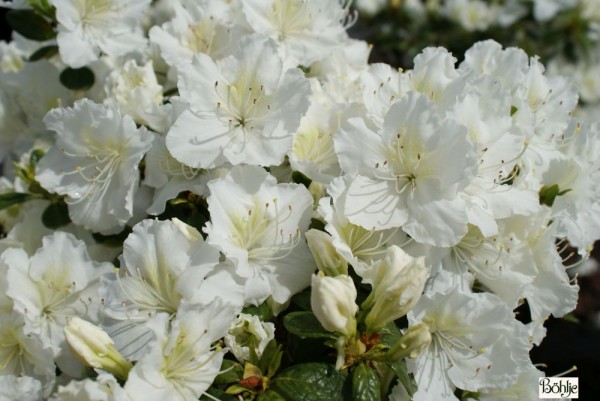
(398, 282)
(333, 303)
(415, 339)
(327, 258)
(95, 348)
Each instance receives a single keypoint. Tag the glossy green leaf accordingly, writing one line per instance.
(12, 198)
(310, 382)
(231, 372)
(262, 311)
(305, 324)
(56, 215)
(44, 52)
(270, 359)
(270, 396)
(365, 384)
(77, 78)
(113, 240)
(405, 378)
(548, 194)
(30, 24)
(42, 7)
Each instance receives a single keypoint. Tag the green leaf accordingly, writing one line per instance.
(390, 335)
(43, 7)
(300, 178)
(231, 372)
(548, 195)
(305, 324)
(77, 78)
(12, 198)
(405, 378)
(44, 52)
(365, 384)
(270, 359)
(56, 215)
(30, 24)
(216, 394)
(270, 396)
(262, 311)
(569, 317)
(310, 382)
(302, 300)
(114, 240)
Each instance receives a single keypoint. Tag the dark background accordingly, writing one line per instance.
(567, 343)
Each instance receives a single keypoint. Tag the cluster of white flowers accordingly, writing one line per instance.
(450, 192)
(574, 23)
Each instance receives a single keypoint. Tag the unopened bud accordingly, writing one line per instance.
(397, 286)
(332, 300)
(95, 348)
(327, 258)
(415, 339)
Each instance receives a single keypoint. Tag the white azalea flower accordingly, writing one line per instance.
(22, 388)
(243, 108)
(503, 263)
(104, 388)
(169, 177)
(525, 389)
(433, 72)
(181, 362)
(409, 173)
(307, 30)
(87, 28)
(381, 87)
(544, 10)
(57, 282)
(312, 152)
(248, 332)
(359, 246)
(472, 15)
(95, 163)
(134, 88)
(163, 263)
(23, 354)
(476, 342)
(196, 27)
(258, 225)
(575, 212)
(339, 73)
